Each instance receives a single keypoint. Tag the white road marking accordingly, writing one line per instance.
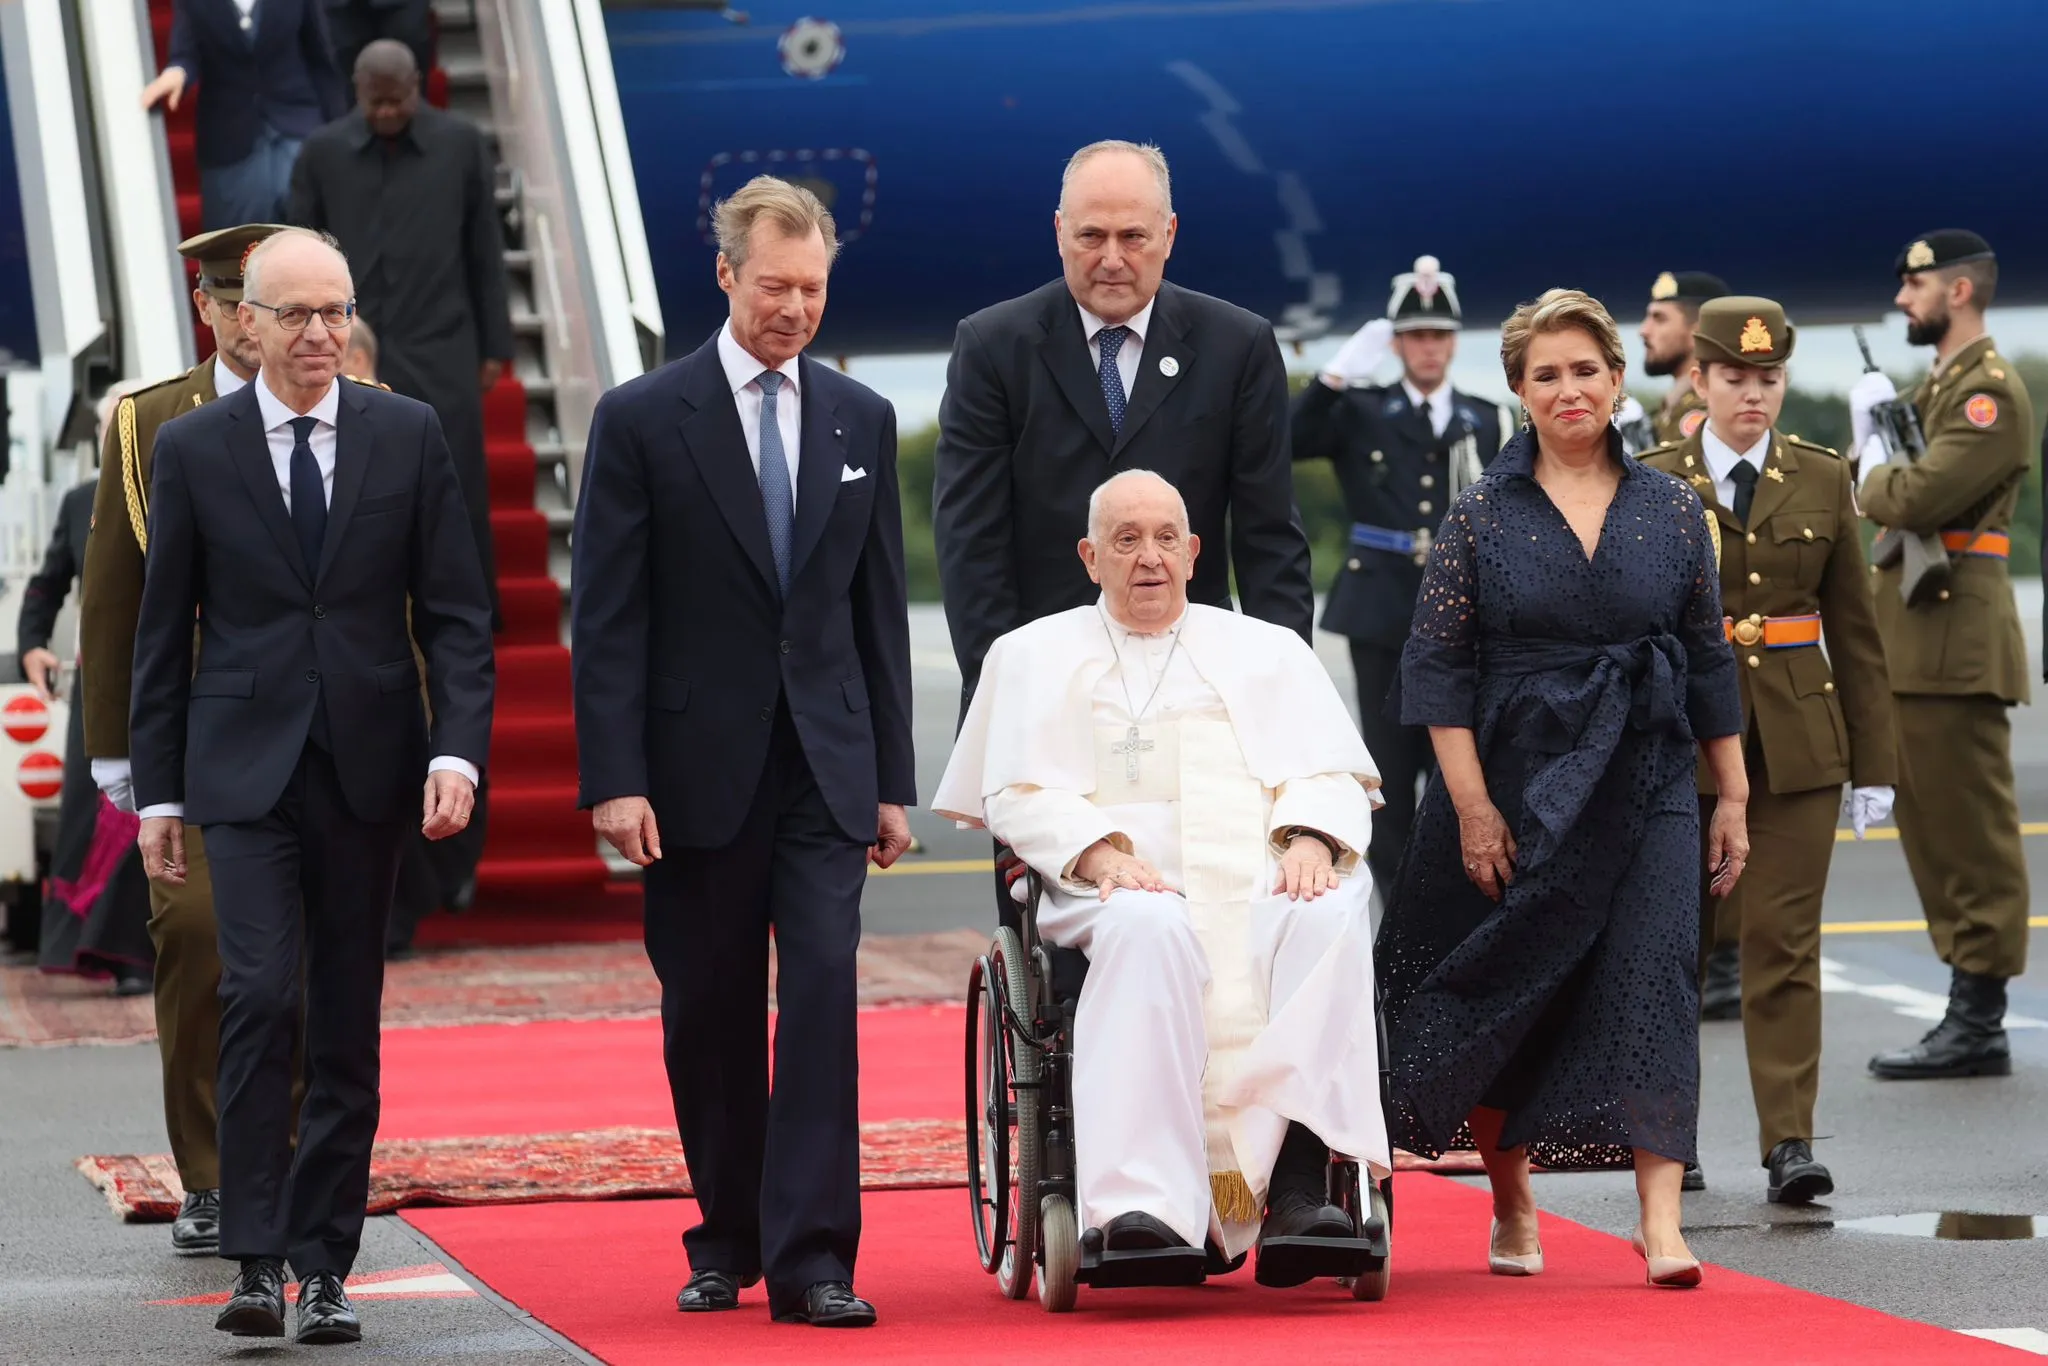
(1911, 1002)
(2026, 1339)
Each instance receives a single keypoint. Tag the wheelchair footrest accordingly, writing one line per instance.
(1149, 1266)
(1318, 1257)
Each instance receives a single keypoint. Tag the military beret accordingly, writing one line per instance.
(1743, 330)
(1425, 299)
(221, 254)
(1687, 287)
(1945, 247)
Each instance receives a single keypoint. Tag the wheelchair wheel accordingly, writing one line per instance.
(1010, 966)
(988, 1124)
(1060, 1235)
(1372, 1286)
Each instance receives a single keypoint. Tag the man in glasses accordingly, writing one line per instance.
(295, 520)
(181, 916)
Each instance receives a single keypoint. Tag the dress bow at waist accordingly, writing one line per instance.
(1574, 700)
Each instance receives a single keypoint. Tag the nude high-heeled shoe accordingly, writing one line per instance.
(1501, 1264)
(1666, 1273)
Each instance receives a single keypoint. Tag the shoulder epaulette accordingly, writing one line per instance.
(367, 383)
(1811, 447)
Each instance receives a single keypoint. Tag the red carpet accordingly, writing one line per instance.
(606, 1276)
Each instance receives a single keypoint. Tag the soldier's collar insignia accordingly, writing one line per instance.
(1666, 287)
(1688, 462)
(1919, 256)
(1755, 336)
(1775, 475)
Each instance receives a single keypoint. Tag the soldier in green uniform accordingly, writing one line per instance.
(1667, 333)
(1792, 569)
(181, 918)
(1959, 662)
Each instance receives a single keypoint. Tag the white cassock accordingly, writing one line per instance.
(1215, 1012)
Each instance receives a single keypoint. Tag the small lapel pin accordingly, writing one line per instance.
(1775, 475)
(1168, 366)
(837, 432)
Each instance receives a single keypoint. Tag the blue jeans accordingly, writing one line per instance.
(253, 189)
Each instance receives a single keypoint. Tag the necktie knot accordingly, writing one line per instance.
(302, 428)
(770, 382)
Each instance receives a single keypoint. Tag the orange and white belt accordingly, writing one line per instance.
(1776, 633)
(1992, 545)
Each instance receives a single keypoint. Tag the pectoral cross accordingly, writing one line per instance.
(1131, 747)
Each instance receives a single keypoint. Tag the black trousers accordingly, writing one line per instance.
(1403, 755)
(308, 877)
(436, 873)
(777, 1175)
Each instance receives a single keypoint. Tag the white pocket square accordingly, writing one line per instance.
(847, 474)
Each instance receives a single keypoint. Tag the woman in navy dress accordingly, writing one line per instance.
(1540, 949)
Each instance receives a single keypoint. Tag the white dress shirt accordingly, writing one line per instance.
(743, 373)
(1131, 353)
(225, 381)
(1437, 404)
(1723, 458)
(277, 430)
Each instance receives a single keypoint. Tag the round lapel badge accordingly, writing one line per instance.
(1168, 366)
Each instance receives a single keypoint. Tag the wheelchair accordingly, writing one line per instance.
(1021, 999)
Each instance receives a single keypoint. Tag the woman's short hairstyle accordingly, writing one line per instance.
(1557, 311)
(794, 211)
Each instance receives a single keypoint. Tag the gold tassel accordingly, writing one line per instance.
(1233, 1197)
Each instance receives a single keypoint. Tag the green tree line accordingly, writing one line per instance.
(1822, 418)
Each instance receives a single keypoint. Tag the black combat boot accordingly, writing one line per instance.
(1721, 986)
(1969, 1041)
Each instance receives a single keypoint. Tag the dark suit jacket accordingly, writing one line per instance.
(44, 596)
(282, 72)
(276, 642)
(681, 641)
(1024, 438)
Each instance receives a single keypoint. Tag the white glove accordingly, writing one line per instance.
(1873, 388)
(1867, 806)
(1359, 358)
(115, 777)
(1631, 411)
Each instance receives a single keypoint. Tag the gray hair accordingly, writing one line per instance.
(362, 338)
(1098, 501)
(1154, 159)
(793, 209)
(253, 267)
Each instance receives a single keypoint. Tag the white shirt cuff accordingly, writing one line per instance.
(107, 772)
(448, 763)
(175, 810)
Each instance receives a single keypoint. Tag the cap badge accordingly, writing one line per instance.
(1666, 287)
(1168, 366)
(1919, 256)
(242, 266)
(1755, 336)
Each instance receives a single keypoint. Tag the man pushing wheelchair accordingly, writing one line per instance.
(1194, 799)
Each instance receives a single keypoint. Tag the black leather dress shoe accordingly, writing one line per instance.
(256, 1309)
(712, 1290)
(325, 1315)
(1694, 1179)
(1137, 1232)
(831, 1304)
(196, 1230)
(1796, 1179)
(1295, 1215)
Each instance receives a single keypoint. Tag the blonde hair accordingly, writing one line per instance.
(1154, 159)
(1558, 310)
(794, 211)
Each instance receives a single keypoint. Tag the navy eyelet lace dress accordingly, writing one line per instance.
(1572, 1004)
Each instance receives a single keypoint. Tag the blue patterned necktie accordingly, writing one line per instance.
(1111, 340)
(309, 495)
(778, 499)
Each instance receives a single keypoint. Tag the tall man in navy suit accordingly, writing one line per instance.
(267, 77)
(742, 677)
(295, 518)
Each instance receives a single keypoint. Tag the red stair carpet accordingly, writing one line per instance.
(606, 1276)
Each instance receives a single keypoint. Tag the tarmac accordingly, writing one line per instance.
(78, 1286)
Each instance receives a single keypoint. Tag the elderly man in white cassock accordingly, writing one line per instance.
(1188, 785)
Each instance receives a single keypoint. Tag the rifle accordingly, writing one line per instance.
(1924, 564)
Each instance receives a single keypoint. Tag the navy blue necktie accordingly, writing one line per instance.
(778, 499)
(1111, 340)
(1744, 477)
(309, 494)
